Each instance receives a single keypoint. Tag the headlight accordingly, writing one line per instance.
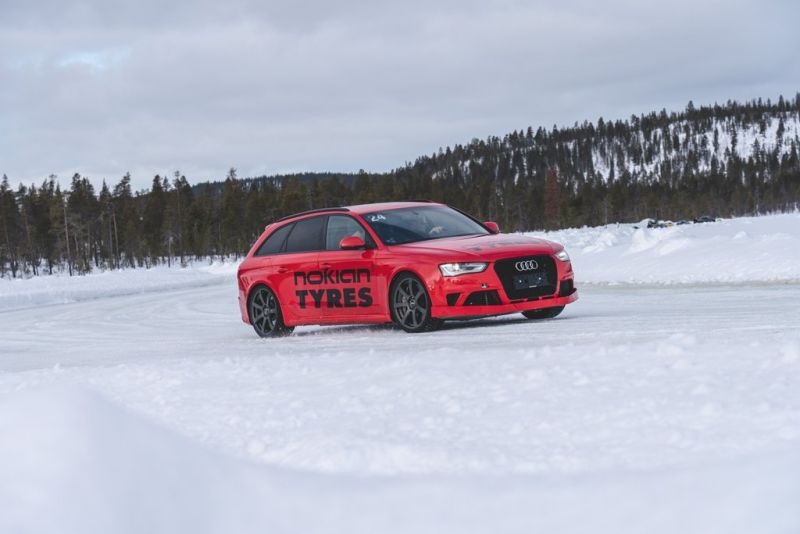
(562, 255)
(456, 269)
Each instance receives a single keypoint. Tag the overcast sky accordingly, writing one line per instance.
(102, 87)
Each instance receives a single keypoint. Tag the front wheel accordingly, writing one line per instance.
(411, 305)
(543, 313)
(265, 313)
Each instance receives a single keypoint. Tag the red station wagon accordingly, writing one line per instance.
(412, 263)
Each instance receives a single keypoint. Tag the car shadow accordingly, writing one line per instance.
(447, 326)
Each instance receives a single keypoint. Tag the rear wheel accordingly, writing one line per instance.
(411, 305)
(265, 313)
(543, 313)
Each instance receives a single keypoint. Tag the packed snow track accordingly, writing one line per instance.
(627, 379)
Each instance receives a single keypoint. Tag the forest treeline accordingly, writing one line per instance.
(722, 160)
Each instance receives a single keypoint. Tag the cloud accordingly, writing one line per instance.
(102, 88)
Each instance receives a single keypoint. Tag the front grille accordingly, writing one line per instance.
(528, 283)
(483, 298)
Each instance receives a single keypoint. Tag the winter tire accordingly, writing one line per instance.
(265, 313)
(411, 305)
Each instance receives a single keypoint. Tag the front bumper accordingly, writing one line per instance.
(483, 294)
(455, 312)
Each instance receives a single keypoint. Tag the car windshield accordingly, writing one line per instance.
(407, 225)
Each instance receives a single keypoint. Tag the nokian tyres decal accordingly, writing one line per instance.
(337, 297)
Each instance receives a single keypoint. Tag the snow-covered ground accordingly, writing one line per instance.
(650, 405)
(743, 250)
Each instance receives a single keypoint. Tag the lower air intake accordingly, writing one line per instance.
(452, 298)
(483, 298)
(566, 288)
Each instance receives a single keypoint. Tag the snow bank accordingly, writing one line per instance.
(62, 289)
(71, 462)
(742, 250)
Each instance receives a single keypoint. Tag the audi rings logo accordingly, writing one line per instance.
(526, 265)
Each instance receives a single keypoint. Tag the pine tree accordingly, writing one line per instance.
(44, 237)
(232, 216)
(153, 224)
(9, 229)
(181, 208)
(552, 199)
(106, 230)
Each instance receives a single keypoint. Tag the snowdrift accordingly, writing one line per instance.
(72, 462)
(63, 289)
(742, 250)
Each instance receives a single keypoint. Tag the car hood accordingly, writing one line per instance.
(493, 246)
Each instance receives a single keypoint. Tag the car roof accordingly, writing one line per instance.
(362, 208)
(385, 206)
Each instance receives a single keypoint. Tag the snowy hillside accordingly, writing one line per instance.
(647, 153)
(647, 147)
(678, 145)
(721, 160)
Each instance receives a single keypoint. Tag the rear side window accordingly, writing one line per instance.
(274, 242)
(339, 227)
(307, 235)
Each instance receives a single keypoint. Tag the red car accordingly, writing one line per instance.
(411, 263)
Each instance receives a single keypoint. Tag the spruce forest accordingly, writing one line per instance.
(721, 160)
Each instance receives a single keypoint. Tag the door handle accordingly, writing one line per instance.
(282, 270)
(325, 266)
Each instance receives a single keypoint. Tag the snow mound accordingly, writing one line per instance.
(62, 289)
(743, 250)
(71, 462)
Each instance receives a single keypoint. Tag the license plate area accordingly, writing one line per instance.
(530, 280)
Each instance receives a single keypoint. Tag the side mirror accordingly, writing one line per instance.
(492, 226)
(352, 243)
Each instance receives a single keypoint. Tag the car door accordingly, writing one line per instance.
(295, 271)
(350, 278)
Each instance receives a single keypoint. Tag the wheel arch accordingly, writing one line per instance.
(397, 274)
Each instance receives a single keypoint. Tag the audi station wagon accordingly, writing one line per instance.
(415, 264)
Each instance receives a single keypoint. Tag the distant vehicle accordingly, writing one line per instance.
(412, 263)
(653, 223)
(705, 219)
(682, 222)
(645, 223)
